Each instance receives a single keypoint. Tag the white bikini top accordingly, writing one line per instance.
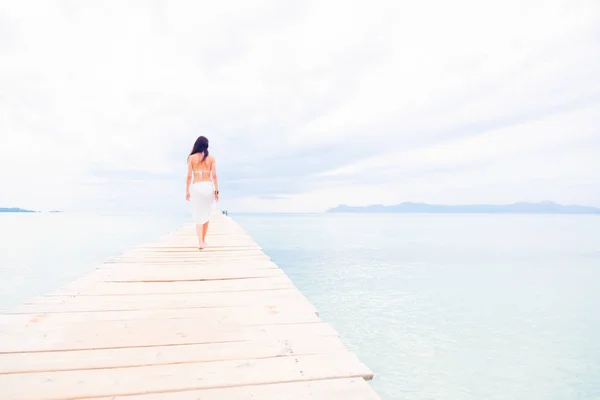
(200, 172)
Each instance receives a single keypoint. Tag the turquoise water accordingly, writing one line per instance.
(42, 252)
(439, 306)
(453, 306)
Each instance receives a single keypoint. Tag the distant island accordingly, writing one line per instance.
(15, 210)
(544, 207)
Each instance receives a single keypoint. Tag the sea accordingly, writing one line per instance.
(439, 306)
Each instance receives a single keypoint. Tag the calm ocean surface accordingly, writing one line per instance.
(439, 306)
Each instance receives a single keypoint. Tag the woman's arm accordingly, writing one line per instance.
(188, 179)
(215, 179)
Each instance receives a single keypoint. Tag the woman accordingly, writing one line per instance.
(204, 191)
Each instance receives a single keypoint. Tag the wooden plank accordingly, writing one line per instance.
(191, 274)
(193, 265)
(208, 251)
(196, 255)
(240, 315)
(189, 376)
(222, 249)
(161, 355)
(98, 279)
(186, 260)
(137, 288)
(184, 257)
(198, 268)
(215, 247)
(180, 248)
(192, 249)
(330, 389)
(178, 298)
(183, 262)
(51, 304)
(140, 333)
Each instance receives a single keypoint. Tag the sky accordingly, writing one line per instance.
(307, 105)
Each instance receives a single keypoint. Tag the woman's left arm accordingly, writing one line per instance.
(215, 179)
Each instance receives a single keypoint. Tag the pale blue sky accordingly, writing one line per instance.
(306, 105)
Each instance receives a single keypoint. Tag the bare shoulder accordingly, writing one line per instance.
(211, 159)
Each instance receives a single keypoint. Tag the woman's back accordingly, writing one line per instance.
(202, 169)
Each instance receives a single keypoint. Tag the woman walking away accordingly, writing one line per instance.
(204, 190)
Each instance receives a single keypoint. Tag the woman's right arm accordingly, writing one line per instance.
(188, 179)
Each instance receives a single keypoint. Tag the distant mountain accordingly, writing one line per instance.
(15, 210)
(544, 207)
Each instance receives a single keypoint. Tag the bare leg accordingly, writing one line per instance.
(199, 234)
(204, 230)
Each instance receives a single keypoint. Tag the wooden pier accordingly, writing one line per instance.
(166, 321)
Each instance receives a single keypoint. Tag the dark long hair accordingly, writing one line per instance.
(200, 146)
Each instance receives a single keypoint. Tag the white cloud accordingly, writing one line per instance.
(360, 102)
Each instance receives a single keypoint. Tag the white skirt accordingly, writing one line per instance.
(202, 197)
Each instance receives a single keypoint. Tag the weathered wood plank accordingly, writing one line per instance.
(237, 315)
(331, 389)
(139, 333)
(161, 355)
(174, 274)
(191, 265)
(223, 246)
(99, 279)
(137, 288)
(215, 249)
(210, 298)
(189, 376)
(207, 252)
(49, 304)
